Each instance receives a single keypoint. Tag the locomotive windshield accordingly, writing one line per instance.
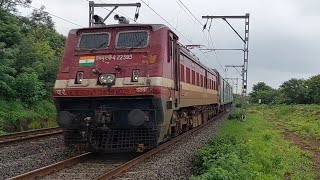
(94, 41)
(132, 39)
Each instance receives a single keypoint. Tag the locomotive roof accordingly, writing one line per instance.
(196, 60)
(153, 26)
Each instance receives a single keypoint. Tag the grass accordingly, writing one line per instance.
(251, 150)
(302, 119)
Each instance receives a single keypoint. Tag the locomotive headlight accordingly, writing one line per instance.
(107, 78)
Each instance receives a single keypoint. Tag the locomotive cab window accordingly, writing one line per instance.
(132, 39)
(94, 41)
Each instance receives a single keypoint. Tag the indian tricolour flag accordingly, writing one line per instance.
(87, 60)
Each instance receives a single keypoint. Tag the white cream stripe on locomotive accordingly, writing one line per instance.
(126, 82)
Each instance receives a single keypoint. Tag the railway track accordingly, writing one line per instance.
(27, 135)
(103, 169)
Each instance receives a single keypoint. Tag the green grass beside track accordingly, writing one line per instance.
(302, 119)
(253, 149)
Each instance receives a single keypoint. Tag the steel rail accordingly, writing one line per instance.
(126, 166)
(26, 135)
(53, 168)
(47, 170)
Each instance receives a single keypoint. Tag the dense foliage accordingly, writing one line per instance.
(252, 149)
(30, 52)
(293, 91)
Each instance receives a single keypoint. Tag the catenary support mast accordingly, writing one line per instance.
(245, 40)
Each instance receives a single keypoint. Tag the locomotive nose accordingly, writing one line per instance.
(136, 117)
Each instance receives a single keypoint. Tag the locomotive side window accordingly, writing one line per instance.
(94, 41)
(182, 73)
(132, 39)
(193, 78)
(188, 75)
(198, 81)
(170, 49)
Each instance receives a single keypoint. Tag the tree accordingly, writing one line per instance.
(40, 49)
(9, 29)
(294, 91)
(6, 71)
(261, 86)
(263, 92)
(28, 87)
(41, 17)
(313, 85)
(10, 5)
(9, 36)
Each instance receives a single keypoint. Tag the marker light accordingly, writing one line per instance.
(135, 75)
(79, 77)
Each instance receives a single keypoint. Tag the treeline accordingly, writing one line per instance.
(30, 53)
(293, 91)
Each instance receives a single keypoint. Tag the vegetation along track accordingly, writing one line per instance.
(27, 135)
(95, 166)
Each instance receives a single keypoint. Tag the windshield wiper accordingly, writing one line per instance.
(99, 46)
(136, 44)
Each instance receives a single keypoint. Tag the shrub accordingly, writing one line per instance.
(224, 158)
(235, 114)
(16, 117)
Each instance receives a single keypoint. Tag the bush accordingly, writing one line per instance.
(16, 117)
(223, 158)
(235, 114)
(28, 87)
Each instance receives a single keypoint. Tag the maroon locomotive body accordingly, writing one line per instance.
(128, 87)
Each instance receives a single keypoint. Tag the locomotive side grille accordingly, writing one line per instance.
(123, 139)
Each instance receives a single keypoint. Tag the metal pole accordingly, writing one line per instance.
(245, 39)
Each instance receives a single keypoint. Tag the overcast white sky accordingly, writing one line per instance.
(284, 35)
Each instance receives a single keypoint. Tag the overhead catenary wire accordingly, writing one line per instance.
(209, 41)
(213, 47)
(179, 32)
(201, 27)
(166, 21)
(29, 6)
(208, 59)
(190, 12)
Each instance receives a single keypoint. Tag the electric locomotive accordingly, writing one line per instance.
(129, 87)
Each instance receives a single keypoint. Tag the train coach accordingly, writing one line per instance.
(130, 87)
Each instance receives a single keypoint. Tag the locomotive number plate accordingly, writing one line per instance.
(114, 57)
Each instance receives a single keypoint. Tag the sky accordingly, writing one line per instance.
(283, 41)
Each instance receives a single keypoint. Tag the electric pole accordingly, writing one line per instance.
(245, 40)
